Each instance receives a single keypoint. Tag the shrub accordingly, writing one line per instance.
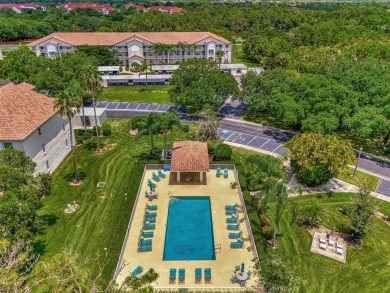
(94, 130)
(264, 221)
(222, 152)
(210, 149)
(268, 232)
(309, 216)
(137, 119)
(106, 129)
(185, 128)
(155, 154)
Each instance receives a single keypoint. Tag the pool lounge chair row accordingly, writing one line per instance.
(148, 224)
(182, 276)
(225, 173)
(158, 177)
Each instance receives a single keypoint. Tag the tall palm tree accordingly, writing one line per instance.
(68, 99)
(143, 66)
(156, 48)
(90, 79)
(137, 68)
(169, 49)
(149, 126)
(220, 54)
(182, 46)
(167, 121)
(194, 47)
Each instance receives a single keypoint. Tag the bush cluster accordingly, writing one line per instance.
(222, 152)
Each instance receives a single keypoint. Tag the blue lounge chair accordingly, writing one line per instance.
(198, 275)
(233, 227)
(150, 220)
(235, 235)
(237, 244)
(230, 212)
(243, 283)
(151, 184)
(234, 279)
(145, 248)
(225, 173)
(147, 234)
(137, 271)
(145, 242)
(151, 207)
(249, 275)
(218, 173)
(232, 220)
(207, 275)
(155, 177)
(149, 226)
(172, 276)
(230, 207)
(161, 174)
(182, 276)
(151, 214)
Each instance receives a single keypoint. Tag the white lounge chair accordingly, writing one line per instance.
(323, 238)
(323, 246)
(339, 251)
(340, 243)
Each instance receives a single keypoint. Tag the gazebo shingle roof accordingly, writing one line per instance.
(190, 156)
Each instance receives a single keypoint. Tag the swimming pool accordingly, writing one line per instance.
(189, 233)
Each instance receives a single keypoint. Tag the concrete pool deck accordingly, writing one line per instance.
(218, 188)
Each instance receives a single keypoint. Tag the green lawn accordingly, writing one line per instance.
(347, 175)
(145, 94)
(367, 268)
(240, 57)
(104, 212)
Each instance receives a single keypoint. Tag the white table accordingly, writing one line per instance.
(241, 276)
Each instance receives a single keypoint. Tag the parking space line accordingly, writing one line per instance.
(138, 106)
(264, 143)
(251, 140)
(237, 138)
(158, 107)
(230, 135)
(277, 148)
(117, 105)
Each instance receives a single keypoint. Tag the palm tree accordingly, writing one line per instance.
(157, 48)
(182, 46)
(137, 68)
(167, 121)
(143, 66)
(169, 49)
(68, 99)
(149, 126)
(220, 54)
(194, 47)
(90, 79)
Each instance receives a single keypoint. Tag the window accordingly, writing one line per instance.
(41, 47)
(47, 166)
(43, 149)
(39, 131)
(33, 48)
(66, 143)
(7, 145)
(60, 47)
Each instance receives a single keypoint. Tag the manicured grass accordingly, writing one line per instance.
(104, 212)
(240, 57)
(146, 94)
(360, 177)
(366, 269)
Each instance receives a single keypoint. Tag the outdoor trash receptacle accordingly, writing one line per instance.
(167, 168)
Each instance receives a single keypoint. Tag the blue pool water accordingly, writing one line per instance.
(189, 234)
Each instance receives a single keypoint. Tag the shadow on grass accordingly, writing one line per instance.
(92, 145)
(70, 176)
(46, 220)
(38, 247)
(343, 228)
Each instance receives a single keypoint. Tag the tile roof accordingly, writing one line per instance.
(22, 111)
(190, 156)
(110, 39)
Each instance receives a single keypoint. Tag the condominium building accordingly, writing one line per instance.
(29, 123)
(153, 47)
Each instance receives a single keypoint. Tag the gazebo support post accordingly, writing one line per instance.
(178, 176)
(201, 176)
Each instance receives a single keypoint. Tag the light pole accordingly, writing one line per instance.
(357, 162)
(105, 250)
(125, 196)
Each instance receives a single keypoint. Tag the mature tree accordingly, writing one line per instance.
(207, 126)
(90, 80)
(144, 67)
(167, 121)
(361, 214)
(103, 56)
(200, 84)
(277, 276)
(219, 54)
(44, 184)
(316, 158)
(67, 100)
(20, 197)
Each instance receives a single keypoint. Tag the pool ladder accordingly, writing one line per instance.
(217, 248)
(173, 201)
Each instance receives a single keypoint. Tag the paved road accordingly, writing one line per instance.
(233, 129)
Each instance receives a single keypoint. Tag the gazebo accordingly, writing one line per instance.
(189, 162)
